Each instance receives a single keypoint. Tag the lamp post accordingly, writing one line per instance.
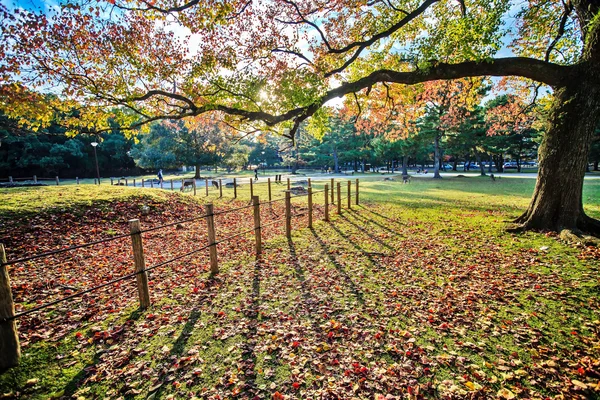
(263, 161)
(94, 145)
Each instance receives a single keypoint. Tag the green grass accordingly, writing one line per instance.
(521, 310)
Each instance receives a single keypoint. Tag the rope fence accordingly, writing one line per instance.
(8, 317)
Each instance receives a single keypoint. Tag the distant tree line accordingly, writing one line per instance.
(481, 136)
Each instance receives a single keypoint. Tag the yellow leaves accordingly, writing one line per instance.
(505, 394)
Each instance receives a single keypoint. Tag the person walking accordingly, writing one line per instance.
(160, 176)
(255, 174)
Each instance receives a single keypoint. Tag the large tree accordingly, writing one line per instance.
(274, 63)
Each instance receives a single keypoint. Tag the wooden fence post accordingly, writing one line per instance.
(194, 185)
(10, 349)
(234, 188)
(288, 215)
(57, 181)
(332, 191)
(326, 216)
(257, 233)
(143, 182)
(251, 188)
(310, 207)
(212, 239)
(140, 263)
(269, 182)
(35, 179)
(356, 191)
(112, 181)
(349, 195)
(309, 183)
(172, 184)
(77, 180)
(126, 182)
(161, 184)
(206, 184)
(152, 183)
(221, 188)
(339, 198)
(288, 183)
(133, 182)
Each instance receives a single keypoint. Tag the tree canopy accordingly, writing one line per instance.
(261, 62)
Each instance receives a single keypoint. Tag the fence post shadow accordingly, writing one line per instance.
(326, 250)
(367, 233)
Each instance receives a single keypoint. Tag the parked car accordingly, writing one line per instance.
(510, 165)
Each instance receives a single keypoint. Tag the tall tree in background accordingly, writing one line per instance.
(513, 121)
(447, 104)
(281, 71)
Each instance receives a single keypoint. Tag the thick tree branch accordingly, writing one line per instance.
(537, 70)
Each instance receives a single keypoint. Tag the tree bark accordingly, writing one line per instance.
(481, 167)
(404, 165)
(197, 174)
(336, 163)
(436, 158)
(557, 199)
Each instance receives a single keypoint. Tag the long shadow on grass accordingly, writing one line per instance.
(309, 302)
(368, 255)
(248, 351)
(366, 220)
(73, 385)
(342, 271)
(365, 230)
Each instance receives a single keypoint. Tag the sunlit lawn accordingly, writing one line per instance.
(418, 291)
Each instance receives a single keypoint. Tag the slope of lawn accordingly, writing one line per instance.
(415, 293)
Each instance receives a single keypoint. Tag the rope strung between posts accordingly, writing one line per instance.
(272, 222)
(58, 251)
(232, 210)
(273, 201)
(171, 224)
(234, 236)
(112, 282)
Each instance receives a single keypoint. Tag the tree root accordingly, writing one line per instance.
(515, 228)
(577, 237)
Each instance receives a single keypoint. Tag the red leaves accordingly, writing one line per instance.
(278, 396)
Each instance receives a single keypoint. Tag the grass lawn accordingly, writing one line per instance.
(416, 293)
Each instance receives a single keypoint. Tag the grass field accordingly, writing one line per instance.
(416, 293)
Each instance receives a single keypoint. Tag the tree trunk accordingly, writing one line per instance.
(336, 161)
(404, 165)
(596, 165)
(557, 199)
(481, 167)
(454, 165)
(197, 174)
(490, 165)
(436, 158)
